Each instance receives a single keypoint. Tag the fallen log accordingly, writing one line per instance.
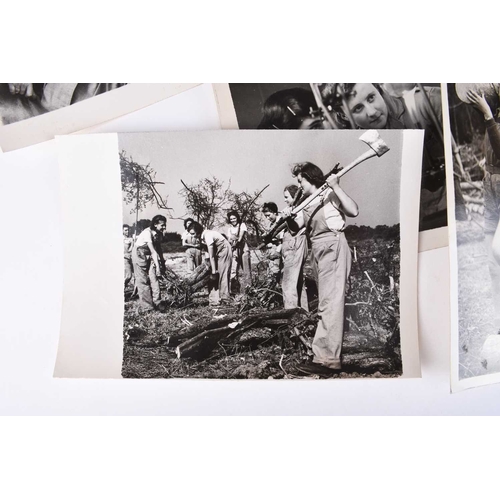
(201, 344)
(180, 290)
(199, 274)
(470, 199)
(467, 186)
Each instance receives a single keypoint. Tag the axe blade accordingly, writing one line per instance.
(372, 138)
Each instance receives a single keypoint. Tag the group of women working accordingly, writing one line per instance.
(322, 222)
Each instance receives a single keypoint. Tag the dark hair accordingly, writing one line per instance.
(270, 207)
(292, 189)
(126, 226)
(236, 214)
(310, 172)
(332, 99)
(286, 109)
(156, 219)
(187, 222)
(196, 226)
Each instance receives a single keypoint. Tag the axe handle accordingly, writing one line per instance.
(366, 156)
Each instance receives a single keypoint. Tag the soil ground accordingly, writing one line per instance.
(371, 330)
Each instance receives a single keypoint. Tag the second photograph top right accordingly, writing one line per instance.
(349, 106)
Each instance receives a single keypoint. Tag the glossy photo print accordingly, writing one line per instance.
(249, 254)
(474, 177)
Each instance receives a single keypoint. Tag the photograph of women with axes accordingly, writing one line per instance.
(345, 324)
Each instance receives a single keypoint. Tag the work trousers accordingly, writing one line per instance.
(128, 271)
(241, 267)
(146, 281)
(193, 259)
(294, 251)
(332, 259)
(223, 259)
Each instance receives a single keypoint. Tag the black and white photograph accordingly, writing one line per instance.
(31, 113)
(350, 106)
(20, 101)
(261, 255)
(475, 238)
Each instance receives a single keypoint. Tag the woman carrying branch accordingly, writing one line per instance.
(192, 246)
(220, 255)
(147, 258)
(237, 236)
(324, 222)
(294, 251)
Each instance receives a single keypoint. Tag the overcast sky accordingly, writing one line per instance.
(254, 158)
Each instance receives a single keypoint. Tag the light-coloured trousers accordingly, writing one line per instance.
(332, 259)
(146, 281)
(193, 259)
(241, 265)
(294, 250)
(223, 259)
(128, 271)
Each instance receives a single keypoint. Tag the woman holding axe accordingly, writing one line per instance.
(324, 222)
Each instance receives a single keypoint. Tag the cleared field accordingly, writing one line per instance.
(371, 340)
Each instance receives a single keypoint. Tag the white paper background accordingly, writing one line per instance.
(91, 329)
(31, 294)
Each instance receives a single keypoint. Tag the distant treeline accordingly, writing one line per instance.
(172, 240)
(366, 232)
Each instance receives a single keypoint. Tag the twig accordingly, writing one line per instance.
(373, 284)
(281, 364)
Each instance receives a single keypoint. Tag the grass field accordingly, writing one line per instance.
(371, 328)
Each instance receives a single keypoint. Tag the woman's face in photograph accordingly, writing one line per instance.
(306, 186)
(233, 220)
(161, 226)
(288, 198)
(367, 106)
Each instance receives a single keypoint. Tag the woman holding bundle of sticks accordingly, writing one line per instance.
(220, 254)
(324, 223)
(294, 251)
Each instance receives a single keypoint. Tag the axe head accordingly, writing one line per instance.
(373, 139)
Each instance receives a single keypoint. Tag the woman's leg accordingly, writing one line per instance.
(224, 260)
(294, 257)
(141, 270)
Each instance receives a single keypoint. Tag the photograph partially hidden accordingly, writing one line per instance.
(262, 255)
(21, 101)
(351, 106)
(475, 240)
